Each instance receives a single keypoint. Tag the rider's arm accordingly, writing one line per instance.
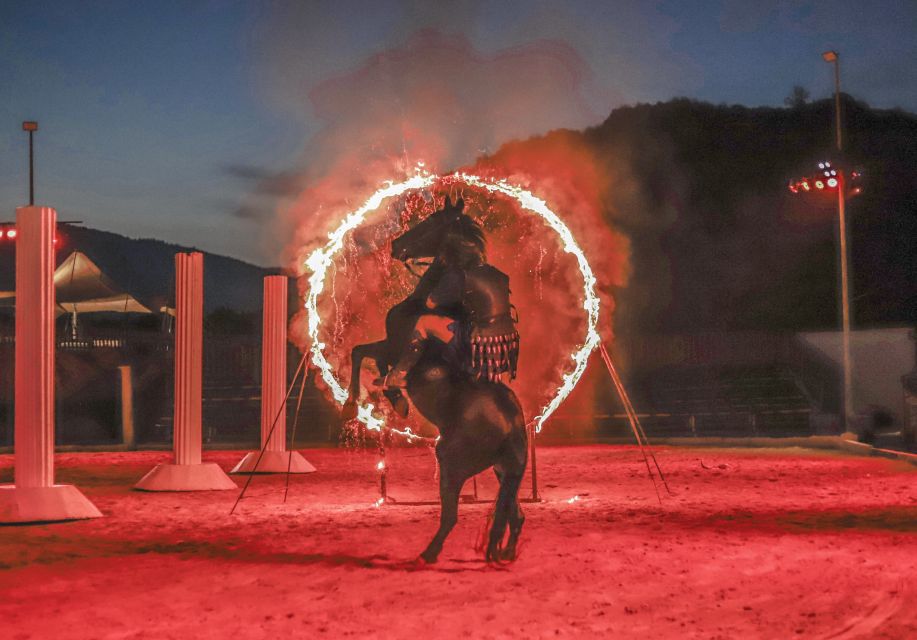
(448, 291)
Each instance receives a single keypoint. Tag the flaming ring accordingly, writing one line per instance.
(321, 259)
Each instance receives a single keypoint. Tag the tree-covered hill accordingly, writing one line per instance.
(146, 269)
(719, 242)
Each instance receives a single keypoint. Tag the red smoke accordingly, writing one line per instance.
(435, 122)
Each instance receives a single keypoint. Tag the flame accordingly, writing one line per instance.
(321, 259)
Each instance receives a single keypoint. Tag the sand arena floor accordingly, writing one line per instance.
(756, 543)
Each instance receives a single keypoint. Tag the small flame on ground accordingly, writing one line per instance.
(321, 259)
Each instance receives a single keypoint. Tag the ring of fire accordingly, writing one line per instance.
(321, 259)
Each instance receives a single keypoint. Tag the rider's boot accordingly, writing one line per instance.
(349, 410)
(399, 402)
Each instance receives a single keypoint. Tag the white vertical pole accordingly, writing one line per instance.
(274, 365)
(34, 412)
(35, 497)
(273, 457)
(189, 345)
(187, 472)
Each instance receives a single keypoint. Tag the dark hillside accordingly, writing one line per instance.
(720, 243)
(146, 269)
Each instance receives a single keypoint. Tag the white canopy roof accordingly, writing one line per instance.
(81, 287)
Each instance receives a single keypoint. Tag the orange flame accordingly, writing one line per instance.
(322, 259)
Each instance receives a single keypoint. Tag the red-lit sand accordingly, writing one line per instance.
(756, 544)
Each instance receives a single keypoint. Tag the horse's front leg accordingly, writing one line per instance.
(372, 350)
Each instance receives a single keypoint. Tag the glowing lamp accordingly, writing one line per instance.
(832, 182)
(819, 184)
(11, 234)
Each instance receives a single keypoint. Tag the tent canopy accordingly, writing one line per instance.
(81, 287)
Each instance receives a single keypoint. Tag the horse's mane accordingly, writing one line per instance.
(465, 234)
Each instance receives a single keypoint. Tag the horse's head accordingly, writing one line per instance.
(440, 234)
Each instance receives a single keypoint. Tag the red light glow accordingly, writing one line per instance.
(11, 234)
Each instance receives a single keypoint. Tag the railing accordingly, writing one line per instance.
(819, 378)
(114, 339)
(649, 352)
(232, 371)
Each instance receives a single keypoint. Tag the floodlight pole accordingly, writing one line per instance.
(833, 57)
(31, 127)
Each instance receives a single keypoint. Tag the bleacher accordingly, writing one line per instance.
(699, 401)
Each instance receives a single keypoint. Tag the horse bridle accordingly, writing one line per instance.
(408, 265)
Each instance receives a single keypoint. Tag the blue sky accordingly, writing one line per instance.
(145, 107)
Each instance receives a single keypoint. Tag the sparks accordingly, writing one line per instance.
(575, 498)
(321, 259)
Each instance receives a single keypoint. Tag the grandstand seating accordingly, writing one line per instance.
(716, 401)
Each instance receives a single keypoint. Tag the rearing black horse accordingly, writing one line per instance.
(480, 422)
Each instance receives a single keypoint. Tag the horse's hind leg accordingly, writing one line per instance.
(450, 485)
(507, 512)
(510, 469)
(516, 520)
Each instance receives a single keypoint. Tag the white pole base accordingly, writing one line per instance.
(274, 462)
(44, 504)
(207, 476)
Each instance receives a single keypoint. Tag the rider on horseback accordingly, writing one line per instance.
(458, 318)
(468, 310)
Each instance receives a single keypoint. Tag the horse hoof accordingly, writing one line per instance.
(427, 558)
(349, 411)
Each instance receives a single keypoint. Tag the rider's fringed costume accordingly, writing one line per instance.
(493, 339)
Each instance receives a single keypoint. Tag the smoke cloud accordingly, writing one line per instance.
(435, 99)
